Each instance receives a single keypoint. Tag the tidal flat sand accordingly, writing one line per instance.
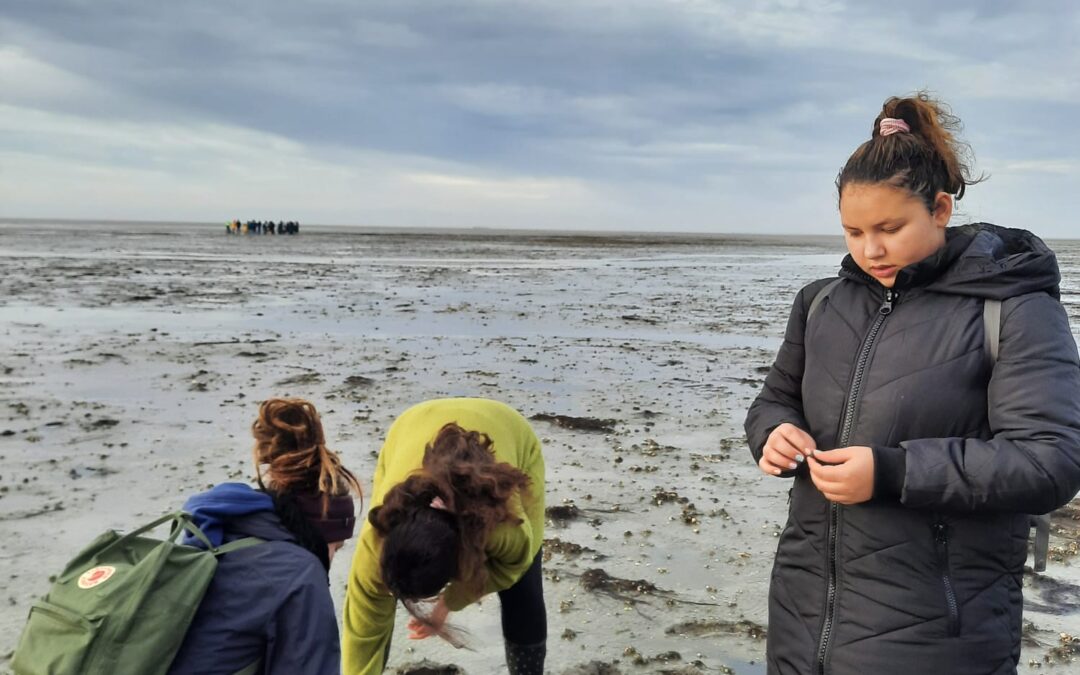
(134, 357)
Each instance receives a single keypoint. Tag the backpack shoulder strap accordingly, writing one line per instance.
(252, 669)
(991, 340)
(992, 328)
(1042, 541)
(236, 545)
(821, 295)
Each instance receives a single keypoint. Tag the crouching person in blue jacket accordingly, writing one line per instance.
(268, 609)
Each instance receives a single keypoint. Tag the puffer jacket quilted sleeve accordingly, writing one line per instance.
(780, 399)
(1032, 463)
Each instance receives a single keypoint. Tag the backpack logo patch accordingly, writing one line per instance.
(95, 576)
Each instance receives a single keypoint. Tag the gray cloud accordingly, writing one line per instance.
(638, 101)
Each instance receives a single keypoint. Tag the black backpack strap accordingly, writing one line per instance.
(821, 295)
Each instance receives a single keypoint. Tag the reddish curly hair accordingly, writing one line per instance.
(291, 445)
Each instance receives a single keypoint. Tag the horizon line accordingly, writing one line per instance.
(432, 229)
(420, 229)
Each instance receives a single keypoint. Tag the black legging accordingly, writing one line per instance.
(524, 617)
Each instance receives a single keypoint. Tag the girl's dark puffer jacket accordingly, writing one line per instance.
(926, 576)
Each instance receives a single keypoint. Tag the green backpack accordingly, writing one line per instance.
(123, 605)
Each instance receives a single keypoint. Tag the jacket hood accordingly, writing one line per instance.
(225, 505)
(980, 260)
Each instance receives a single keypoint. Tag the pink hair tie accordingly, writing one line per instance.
(892, 125)
(438, 503)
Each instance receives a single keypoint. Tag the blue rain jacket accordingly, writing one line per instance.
(270, 602)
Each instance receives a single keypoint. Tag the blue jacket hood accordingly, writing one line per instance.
(211, 510)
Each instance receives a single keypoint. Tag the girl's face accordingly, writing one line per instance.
(887, 228)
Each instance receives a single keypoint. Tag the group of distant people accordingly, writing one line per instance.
(260, 227)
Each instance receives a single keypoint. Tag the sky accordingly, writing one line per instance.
(659, 115)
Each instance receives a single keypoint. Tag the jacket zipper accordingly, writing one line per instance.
(845, 432)
(941, 541)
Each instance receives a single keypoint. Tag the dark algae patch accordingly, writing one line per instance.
(594, 668)
(597, 580)
(299, 380)
(606, 426)
(714, 628)
(426, 667)
(563, 513)
(568, 549)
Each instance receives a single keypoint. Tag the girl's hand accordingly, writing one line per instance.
(844, 475)
(785, 449)
(418, 630)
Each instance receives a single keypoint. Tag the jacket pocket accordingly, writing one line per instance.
(55, 640)
(952, 607)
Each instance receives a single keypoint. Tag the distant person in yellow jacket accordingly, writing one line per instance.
(457, 512)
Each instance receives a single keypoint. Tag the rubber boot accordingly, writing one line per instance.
(525, 659)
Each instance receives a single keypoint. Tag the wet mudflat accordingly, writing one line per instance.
(132, 361)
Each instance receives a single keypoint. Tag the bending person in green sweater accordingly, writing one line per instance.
(457, 512)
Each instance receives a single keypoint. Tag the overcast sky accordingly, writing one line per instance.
(677, 115)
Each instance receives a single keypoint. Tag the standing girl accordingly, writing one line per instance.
(457, 513)
(916, 453)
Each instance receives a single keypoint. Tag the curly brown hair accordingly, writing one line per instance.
(424, 547)
(291, 446)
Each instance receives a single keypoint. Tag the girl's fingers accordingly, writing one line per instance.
(798, 438)
(418, 630)
(775, 467)
(786, 439)
(833, 490)
(790, 452)
(784, 461)
(767, 467)
(832, 494)
(787, 444)
(778, 461)
(784, 450)
(783, 454)
(825, 485)
(834, 471)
